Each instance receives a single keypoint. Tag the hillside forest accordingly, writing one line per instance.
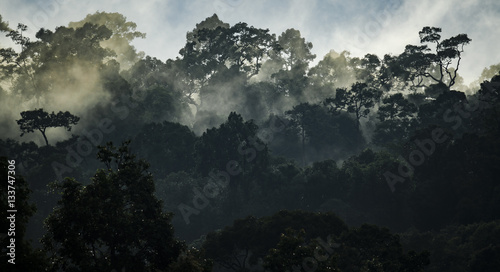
(246, 152)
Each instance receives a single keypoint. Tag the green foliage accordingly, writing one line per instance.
(397, 120)
(460, 247)
(191, 261)
(312, 115)
(359, 100)
(292, 55)
(418, 63)
(295, 51)
(242, 244)
(123, 32)
(113, 223)
(4, 26)
(369, 191)
(322, 135)
(233, 140)
(214, 44)
(333, 71)
(167, 146)
(292, 253)
(371, 248)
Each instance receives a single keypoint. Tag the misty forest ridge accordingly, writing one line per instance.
(247, 152)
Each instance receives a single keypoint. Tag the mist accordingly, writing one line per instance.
(257, 130)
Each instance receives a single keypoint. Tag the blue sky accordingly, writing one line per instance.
(361, 27)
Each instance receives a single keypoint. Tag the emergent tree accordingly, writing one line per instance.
(39, 119)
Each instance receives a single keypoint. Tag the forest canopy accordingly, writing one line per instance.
(247, 152)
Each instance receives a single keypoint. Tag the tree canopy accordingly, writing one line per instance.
(258, 157)
(40, 120)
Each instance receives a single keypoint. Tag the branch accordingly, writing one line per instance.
(452, 81)
(427, 74)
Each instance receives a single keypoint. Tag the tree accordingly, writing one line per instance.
(214, 45)
(236, 140)
(358, 100)
(115, 222)
(371, 248)
(292, 253)
(397, 119)
(167, 146)
(366, 69)
(333, 71)
(303, 115)
(295, 51)
(293, 57)
(239, 246)
(13, 62)
(319, 130)
(4, 26)
(123, 32)
(40, 120)
(420, 66)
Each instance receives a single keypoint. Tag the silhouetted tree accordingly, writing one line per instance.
(442, 66)
(397, 119)
(40, 120)
(115, 222)
(359, 100)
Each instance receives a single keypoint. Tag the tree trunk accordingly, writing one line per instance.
(303, 146)
(45, 137)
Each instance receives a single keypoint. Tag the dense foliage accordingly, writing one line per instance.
(249, 157)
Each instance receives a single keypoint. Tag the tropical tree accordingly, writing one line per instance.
(241, 245)
(422, 67)
(40, 120)
(115, 222)
(293, 253)
(123, 33)
(358, 100)
(293, 59)
(214, 45)
(397, 119)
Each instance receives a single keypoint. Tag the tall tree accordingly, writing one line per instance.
(397, 119)
(56, 59)
(295, 51)
(292, 253)
(214, 45)
(40, 120)
(240, 245)
(15, 63)
(293, 58)
(313, 124)
(235, 139)
(359, 100)
(333, 71)
(441, 66)
(123, 33)
(114, 223)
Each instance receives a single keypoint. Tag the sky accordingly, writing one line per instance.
(361, 27)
